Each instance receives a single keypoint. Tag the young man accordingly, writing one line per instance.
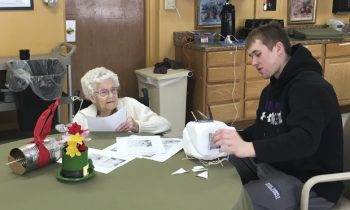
(297, 132)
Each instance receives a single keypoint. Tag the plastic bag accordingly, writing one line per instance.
(44, 76)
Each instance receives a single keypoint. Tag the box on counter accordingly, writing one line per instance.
(205, 37)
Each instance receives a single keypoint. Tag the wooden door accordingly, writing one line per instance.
(109, 33)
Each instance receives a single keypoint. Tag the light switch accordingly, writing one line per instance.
(70, 30)
(170, 4)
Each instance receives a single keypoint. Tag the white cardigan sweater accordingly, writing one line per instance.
(148, 121)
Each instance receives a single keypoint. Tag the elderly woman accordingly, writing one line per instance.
(100, 86)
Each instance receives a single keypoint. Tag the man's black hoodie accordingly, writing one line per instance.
(298, 128)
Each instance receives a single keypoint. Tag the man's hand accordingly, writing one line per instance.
(231, 142)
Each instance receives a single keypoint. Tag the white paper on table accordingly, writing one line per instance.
(140, 145)
(109, 123)
(203, 175)
(199, 169)
(171, 146)
(179, 171)
(106, 162)
(114, 149)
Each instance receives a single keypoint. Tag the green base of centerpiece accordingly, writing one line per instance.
(77, 179)
(76, 168)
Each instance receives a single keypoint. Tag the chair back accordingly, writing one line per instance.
(346, 138)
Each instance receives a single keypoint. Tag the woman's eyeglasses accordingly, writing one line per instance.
(105, 92)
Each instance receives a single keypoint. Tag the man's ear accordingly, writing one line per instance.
(280, 48)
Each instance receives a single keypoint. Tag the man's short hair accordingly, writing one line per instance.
(269, 34)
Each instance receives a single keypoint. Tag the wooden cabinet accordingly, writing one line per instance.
(224, 84)
(337, 69)
(218, 79)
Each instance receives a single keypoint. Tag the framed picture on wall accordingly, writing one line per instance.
(302, 11)
(16, 5)
(207, 13)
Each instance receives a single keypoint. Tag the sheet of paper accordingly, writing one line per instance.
(203, 175)
(140, 145)
(109, 123)
(199, 169)
(114, 149)
(179, 171)
(171, 146)
(104, 161)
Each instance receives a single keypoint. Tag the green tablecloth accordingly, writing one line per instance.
(140, 184)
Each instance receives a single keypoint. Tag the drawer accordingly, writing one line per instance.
(251, 73)
(225, 58)
(227, 112)
(316, 50)
(223, 92)
(338, 74)
(250, 108)
(225, 74)
(253, 88)
(337, 49)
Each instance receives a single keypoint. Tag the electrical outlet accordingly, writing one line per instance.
(170, 4)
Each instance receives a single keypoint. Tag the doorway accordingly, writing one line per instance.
(109, 33)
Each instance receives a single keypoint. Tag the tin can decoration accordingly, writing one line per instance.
(24, 159)
(39, 152)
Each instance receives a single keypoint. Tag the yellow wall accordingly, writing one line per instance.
(39, 30)
(162, 23)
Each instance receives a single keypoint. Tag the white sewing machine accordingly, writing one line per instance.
(197, 139)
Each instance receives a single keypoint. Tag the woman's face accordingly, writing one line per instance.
(105, 97)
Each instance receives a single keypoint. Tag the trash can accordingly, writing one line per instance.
(37, 84)
(167, 95)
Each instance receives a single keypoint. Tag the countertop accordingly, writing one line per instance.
(182, 39)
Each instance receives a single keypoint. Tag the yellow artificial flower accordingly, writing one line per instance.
(72, 151)
(73, 142)
(76, 138)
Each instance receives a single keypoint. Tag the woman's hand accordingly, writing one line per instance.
(231, 142)
(129, 125)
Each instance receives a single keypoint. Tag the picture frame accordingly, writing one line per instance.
(16, 5)
(302, 11)
(207, 13)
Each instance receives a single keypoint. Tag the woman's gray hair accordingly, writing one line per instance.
(95, 76)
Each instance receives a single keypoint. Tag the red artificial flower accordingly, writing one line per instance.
(75, 128)
(82, 147)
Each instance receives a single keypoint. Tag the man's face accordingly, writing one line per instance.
(266, 61)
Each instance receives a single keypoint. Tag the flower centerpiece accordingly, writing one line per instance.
(75, 163)
(75, 140)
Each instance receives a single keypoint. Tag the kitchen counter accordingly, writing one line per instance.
(185, 39)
